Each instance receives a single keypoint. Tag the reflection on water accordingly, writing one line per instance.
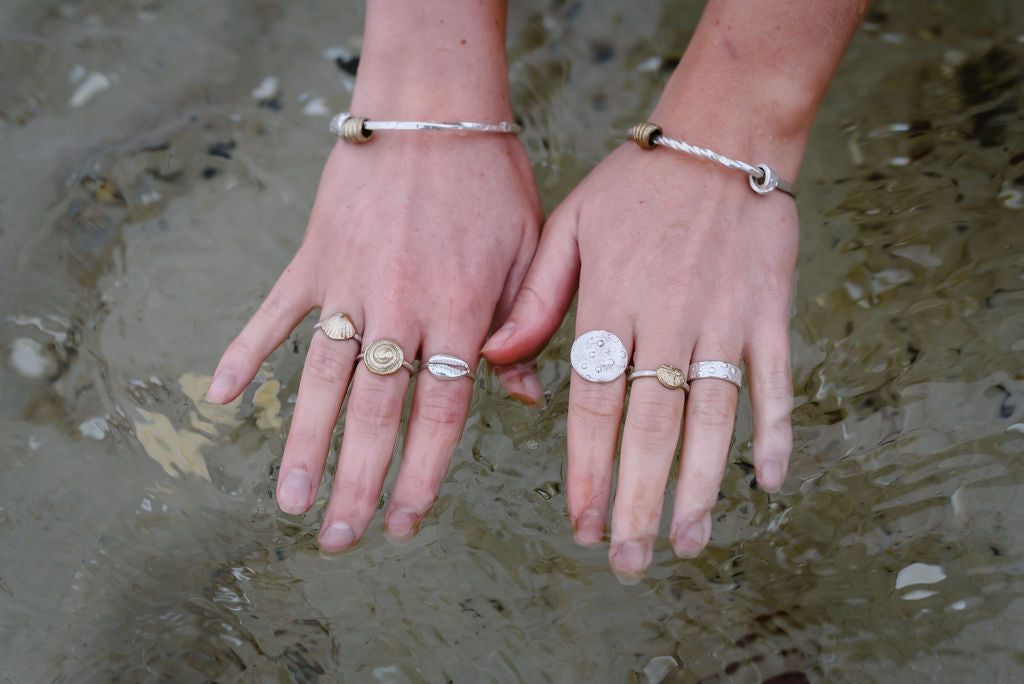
(162, 159)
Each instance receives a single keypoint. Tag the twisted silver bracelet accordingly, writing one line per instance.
(356, 129)
(762, 178)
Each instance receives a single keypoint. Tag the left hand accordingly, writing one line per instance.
(684, 263)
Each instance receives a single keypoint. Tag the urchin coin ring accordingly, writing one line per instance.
(718, 370)
(338, 327)
(668, 375)
(599, 356)
(447, 367)
(384, 357)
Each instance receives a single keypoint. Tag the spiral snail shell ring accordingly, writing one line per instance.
(338, 327)
(384, 357)
(668, 375)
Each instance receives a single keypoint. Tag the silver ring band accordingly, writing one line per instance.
(668, 375)
(447, 367)
(719, 370)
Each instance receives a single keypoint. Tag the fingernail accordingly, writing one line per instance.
(401, 523)
(589, 528)
(337, 537)
(293, 496)
(500, 336)
(771, 476)
(631, 559)
(690, 540)
(220, 388)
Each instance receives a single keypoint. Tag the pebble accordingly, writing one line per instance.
(316, 107)
(919, 573)
(30, 358)
(268, 89)
(95, 428)
(93, 84)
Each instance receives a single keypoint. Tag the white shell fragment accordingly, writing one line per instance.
(598, 356)
(919, 573)
(444, 367)
(268, 89)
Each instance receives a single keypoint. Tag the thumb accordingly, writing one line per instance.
(545, 294)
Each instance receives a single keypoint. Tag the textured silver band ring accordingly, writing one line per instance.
(447, 367)
(719, 370)
(668, 375)
(384, 357)
(599, 356)
(338, 327)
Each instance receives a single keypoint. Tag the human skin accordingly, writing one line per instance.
(422, 238)
(683, 262)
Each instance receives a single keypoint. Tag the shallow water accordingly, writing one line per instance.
(150, 199)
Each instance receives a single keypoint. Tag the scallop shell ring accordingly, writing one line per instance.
(598, 356)
(384, 357)
(338, 327)
(668, 375)
(445, 367)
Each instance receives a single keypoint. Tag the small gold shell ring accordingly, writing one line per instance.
(384, 357)
(338, 327)
(668, 375)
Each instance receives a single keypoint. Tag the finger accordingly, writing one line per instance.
(649, 439)
(371, 427)
(436, 421)
(595, 413)
(771, 394)
(522, 383)
(545, 294)
(520, 380)
(707, 432)
(325, 377)
(289, 301)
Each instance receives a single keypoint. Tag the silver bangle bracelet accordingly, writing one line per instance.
(762, 178)
(356, 129)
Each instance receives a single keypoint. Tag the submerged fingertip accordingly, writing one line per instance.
(221, 387)
(770, 476)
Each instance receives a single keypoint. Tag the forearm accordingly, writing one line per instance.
(754, 75)
(433, 59)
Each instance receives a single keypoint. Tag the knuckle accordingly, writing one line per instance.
(528, 297)
(375, 408)
(775, 383)
(355, 495)
(775, 437)
(653, 420)
(241, 349)
(596, 408)
(714, 409)
(276, 305)
(642, 508)
(440, 415)
(326, 365)
(418, 488)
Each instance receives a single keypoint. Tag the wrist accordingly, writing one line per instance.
(754, 75)
(432, 60)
